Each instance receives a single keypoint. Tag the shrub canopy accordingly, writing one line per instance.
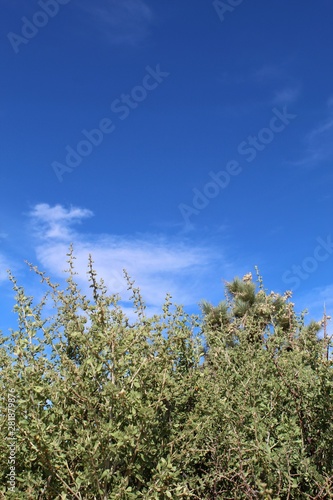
(236, 403)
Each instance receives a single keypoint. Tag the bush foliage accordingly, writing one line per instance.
(236, 403)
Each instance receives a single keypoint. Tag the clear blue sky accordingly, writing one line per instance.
(185, 141)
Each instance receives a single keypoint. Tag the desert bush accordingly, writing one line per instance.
(234, 404)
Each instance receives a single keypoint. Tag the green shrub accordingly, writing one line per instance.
(236, 404)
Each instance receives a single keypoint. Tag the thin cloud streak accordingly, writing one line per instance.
(125, 22)
(325, 127)
(282, 87)
(318, 141)
(4, 265)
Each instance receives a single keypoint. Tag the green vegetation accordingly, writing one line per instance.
(234, 404)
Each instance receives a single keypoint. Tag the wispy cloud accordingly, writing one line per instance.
(158, 265)
(4, 265)
(268, 73)
(122, 22)
(264, 75)
(320, 130)
(315, 300)
(318, 141)
(286, 89)
(55, 222)
(281, 86)
(287, 95)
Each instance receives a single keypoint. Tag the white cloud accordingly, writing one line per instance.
(55, 222)
(157, 264)
(122, 22)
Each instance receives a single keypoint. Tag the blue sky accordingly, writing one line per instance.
(185, 141)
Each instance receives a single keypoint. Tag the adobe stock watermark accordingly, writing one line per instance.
(249, 148)
(309, 265)
(228, 6)
(122, 108)
(11, 440)
(30, 27)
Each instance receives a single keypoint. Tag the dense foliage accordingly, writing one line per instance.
(235, 404)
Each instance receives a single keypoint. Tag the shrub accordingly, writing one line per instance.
(236, 404)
